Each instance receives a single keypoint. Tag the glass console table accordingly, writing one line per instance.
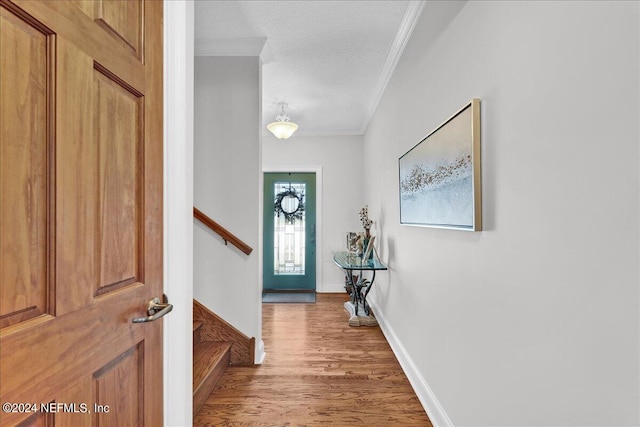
(357, 286)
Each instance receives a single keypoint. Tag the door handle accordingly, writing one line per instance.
(155, 310)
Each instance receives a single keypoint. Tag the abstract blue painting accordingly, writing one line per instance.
(440, 182)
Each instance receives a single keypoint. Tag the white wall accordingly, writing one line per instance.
(227, 181)
(340, 158)
(534, 321)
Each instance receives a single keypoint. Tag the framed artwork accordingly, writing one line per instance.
(369, 249)
(440, 180)
(352, 242)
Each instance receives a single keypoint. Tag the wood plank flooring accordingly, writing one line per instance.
(318, 372)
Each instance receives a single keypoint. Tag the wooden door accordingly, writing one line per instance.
(80, 212)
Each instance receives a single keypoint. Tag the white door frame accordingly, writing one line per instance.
(178, 210)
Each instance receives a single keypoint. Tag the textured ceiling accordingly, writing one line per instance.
(328, 60)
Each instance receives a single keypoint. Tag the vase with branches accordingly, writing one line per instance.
(364, 219)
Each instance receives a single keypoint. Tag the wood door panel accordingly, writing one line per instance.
(39, 419)
(118, 109)
(117, 390)
(123, 20)
(24, 174)
(87, 6)
(98, 197)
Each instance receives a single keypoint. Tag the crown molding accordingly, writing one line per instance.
(411, 15)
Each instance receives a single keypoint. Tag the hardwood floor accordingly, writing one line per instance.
(318, 371)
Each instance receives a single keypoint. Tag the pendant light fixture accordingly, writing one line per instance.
(282, 128)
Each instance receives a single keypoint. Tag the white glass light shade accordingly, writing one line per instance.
(282, 129)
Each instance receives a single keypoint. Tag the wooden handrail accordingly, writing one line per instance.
(226, 235)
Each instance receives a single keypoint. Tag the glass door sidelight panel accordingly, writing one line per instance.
(289, 228)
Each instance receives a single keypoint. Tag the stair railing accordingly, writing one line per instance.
(226, 235)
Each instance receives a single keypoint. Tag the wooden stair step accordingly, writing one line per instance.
(214, 328)
(210, 360)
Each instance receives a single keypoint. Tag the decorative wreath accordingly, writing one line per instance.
(290, 217)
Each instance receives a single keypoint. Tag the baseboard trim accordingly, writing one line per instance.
(331, 288)
(434, 410)
(260, 353)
